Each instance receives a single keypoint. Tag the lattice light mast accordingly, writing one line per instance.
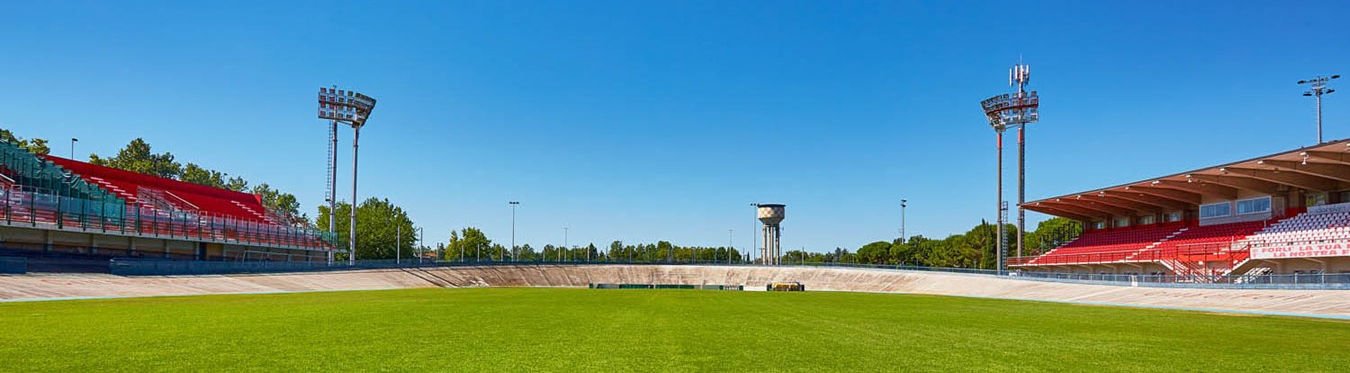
(1317, 88)
(330, 191)
(1013, 110)
(351, 108)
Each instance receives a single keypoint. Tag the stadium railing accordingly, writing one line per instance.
(160, 267)
(1264, 281)
(38, 208)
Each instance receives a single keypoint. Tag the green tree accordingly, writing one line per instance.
(1053, 233)
(467, 242)
(525, 252)
(902, 253)
(35, 145)
(875, 253)
(981, 239)
(195, 174)
(283, 204)
(377, 225)
(237, 184)
(138, 157)
(591, 252)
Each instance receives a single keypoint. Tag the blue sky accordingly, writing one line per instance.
(645, 121)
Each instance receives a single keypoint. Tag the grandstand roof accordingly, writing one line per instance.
(1324, 167)
(178, 195)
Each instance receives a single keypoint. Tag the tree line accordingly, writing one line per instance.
(976, 248)
(973, 249)
(471, 244)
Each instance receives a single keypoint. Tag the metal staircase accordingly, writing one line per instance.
(1156, 243)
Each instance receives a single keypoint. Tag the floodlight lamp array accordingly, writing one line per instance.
(1010, 109)
(345, 106)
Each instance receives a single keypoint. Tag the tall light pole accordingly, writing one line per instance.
(354, 109)
(398, 243)
(513, 205)
(1318, 87)
(902, 219)
(730, 245)
(72, 147)
(1021, 79)
(330, 192)
(754, 241)
(564, 242)
(1013, 110)
(351, 233)
(332, 184)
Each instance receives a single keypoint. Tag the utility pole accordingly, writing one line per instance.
(72, 147)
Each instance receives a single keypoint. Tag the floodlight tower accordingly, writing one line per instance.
(351, 108)
(1318, 87)
(1013, 110)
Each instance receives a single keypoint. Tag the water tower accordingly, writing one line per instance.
(771, 215)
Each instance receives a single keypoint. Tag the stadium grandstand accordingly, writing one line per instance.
(1284, 213)
(69, 211)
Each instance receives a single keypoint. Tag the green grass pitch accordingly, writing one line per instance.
(509, 329)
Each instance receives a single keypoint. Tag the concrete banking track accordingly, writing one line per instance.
(1311, 303)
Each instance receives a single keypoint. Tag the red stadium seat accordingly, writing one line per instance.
(167, 207)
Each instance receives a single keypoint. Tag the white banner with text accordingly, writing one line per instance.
(1301, 251)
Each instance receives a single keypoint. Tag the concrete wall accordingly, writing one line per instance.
(1329, 265)
(1334, 303)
